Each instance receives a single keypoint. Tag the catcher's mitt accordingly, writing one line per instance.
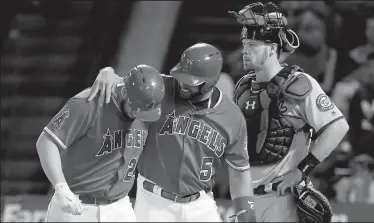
(312, 206)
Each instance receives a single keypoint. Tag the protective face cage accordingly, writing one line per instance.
(267, 23)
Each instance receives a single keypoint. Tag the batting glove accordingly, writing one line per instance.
(69, 202)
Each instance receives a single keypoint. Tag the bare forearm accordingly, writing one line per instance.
(242, 195)
(236, 184)
(329, 139)
(50, 159)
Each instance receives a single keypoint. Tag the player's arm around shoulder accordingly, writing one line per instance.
(104, 85)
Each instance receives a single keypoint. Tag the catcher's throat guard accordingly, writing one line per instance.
(266, 22)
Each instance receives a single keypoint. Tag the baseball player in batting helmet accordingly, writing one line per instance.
(199, 129)
(90, 152)
(293, 124)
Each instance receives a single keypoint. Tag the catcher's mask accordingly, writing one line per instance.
(267, 23)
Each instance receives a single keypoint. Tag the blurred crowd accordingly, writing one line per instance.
(337, 49)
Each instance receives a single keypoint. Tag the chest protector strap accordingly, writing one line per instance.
(267, 126)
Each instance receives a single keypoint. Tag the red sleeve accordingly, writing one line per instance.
(70, 123)
(236, 154)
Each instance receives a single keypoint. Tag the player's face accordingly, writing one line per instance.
(188, 92)
(255, 53)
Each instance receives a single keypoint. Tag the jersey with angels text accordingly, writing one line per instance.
(186, 147)
(99, 146)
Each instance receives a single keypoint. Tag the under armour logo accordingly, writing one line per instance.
(248, 104)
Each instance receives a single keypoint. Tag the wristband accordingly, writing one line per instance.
(60, 185)
(308, 164)
(244, 208)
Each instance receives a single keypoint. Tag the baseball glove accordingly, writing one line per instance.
(312, 206)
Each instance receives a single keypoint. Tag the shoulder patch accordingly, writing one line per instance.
(59, 120)
(324, 103)
(297, 86)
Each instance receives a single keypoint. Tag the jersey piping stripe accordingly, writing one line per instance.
(219, 99)
(50, 133)
(319, 132)
(236, 167)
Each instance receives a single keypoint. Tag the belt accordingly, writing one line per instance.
(86, 199)
(264, 189)
(153, 188)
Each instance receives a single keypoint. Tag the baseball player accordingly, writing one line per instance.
(90, 152)
(293, 124)
(199, 129)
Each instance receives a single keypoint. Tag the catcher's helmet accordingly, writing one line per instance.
(200, 64)
(145, 90)
(266, 22)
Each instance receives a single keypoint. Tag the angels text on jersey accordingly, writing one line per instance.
(112, 140)
(200, 131)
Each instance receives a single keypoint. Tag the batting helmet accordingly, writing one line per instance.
(266, 22)
(200, 64)
(145, 90)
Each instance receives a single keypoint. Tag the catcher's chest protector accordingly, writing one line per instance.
(269, 134)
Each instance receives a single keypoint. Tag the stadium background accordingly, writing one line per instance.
(53, 49)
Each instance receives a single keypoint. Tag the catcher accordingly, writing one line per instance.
(292, 124)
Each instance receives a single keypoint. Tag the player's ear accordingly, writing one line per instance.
(273, 49)
(123, 91)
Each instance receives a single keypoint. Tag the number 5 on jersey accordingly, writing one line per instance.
(206, 168)
(130, 171)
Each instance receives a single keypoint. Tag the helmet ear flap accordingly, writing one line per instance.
(204, 88)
